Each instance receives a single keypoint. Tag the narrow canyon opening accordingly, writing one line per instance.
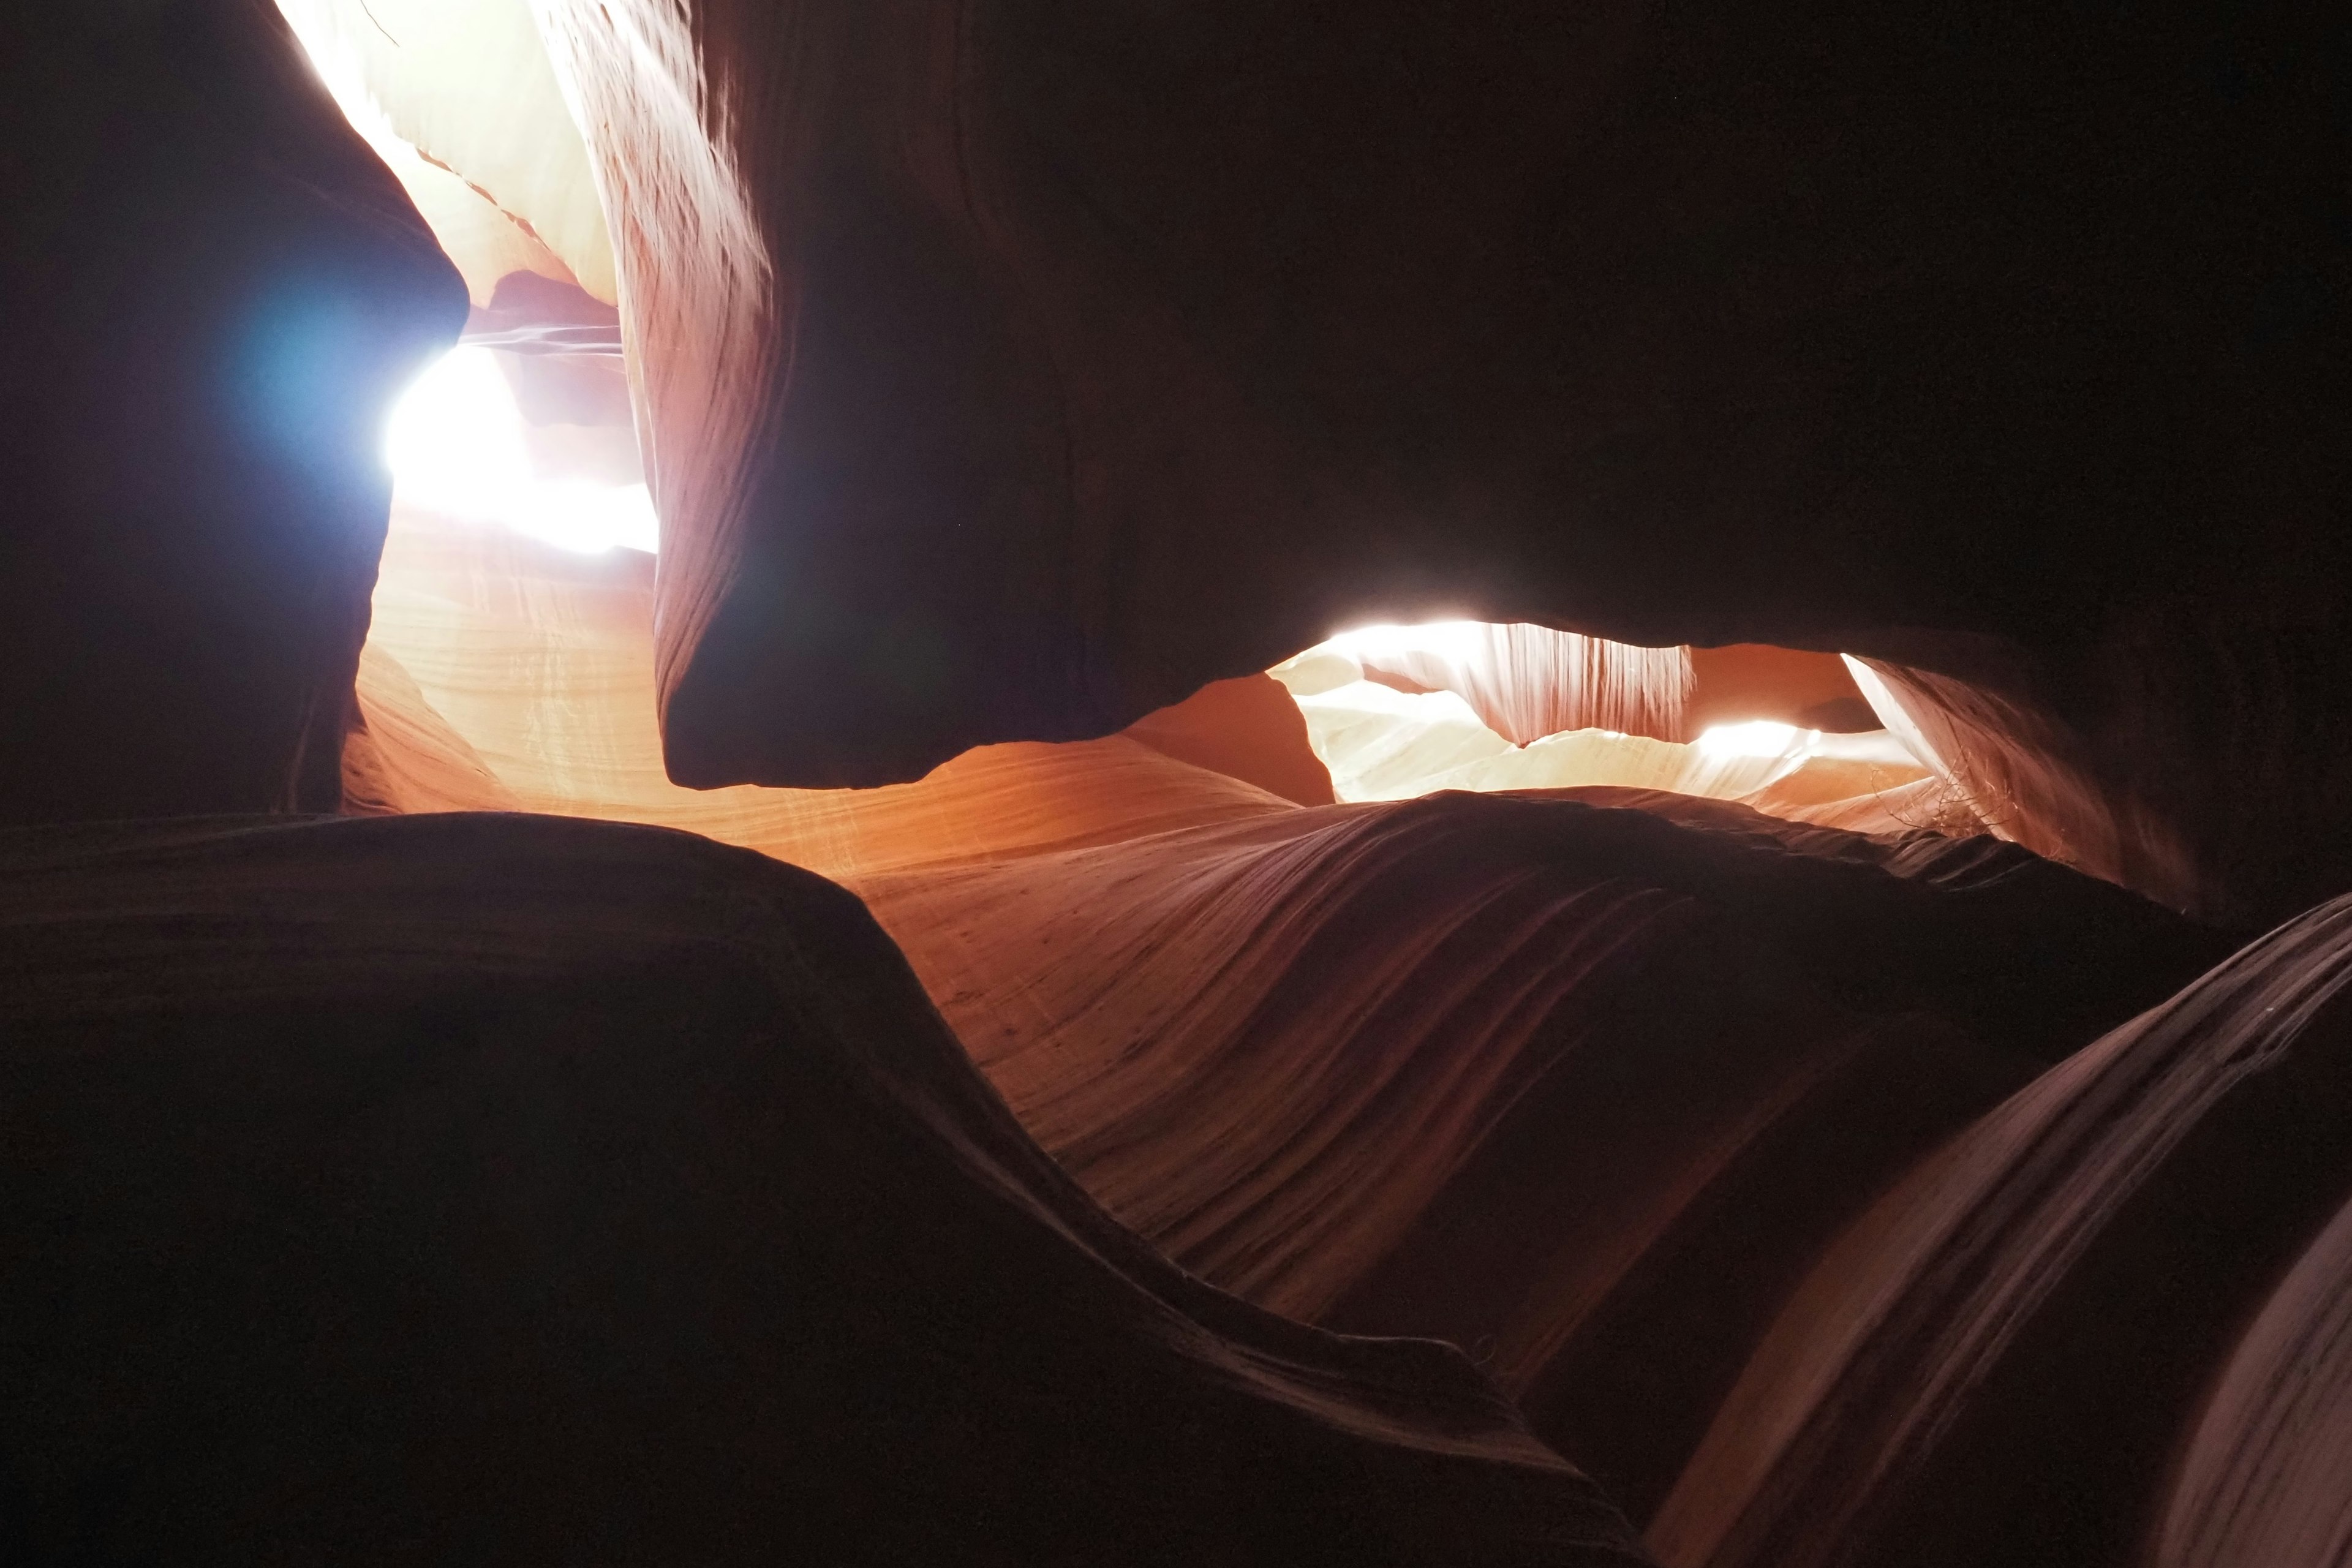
(529, 427)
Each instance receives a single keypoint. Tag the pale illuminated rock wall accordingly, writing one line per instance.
(458, 98)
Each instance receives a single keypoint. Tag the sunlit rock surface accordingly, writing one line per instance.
(459, 99)
(514, 1189)
(1713, 1136)
(524, 675)
(1526, 682)
(1398, 712)
(1249, 729)
(1747, 681)
(539, 662)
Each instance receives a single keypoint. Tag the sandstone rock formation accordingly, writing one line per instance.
(210, 291)
(458, 98)
(1527, 682)
(537, 664)
(970, 423)
(1398, 712)
(1579, 1087)
(2264, 1477)
(1996, 1363)
(1879, 482)
(1012, 370)
(515, 1189)
(523, 677)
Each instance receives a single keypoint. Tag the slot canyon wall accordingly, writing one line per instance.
(474, 1084)
(211, 290)
(1014, 369)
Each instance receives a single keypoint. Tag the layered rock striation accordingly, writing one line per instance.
(1577, 1087)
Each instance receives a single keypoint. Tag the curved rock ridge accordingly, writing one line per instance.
(2029, 779)
(1742, 683)
(537, 663)
(1918, 854)
(401, 756)
(517, 1188)
(2267, 1475)
(503, 672)
(1247, 729)
(1997, 1361)
(1857, 797)
(1582, 1090)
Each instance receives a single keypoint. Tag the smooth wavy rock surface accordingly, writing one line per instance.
(1380, 743)
(1746, 681)
(1582, 1090)
(2267, 1476)
(2000, 1360)
(504, 1187)
(503, 672)
(1247, 729)
(2029, 779)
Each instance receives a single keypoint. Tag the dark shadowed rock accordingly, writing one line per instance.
(508, 1188)
(1015, 368)
(210, 291)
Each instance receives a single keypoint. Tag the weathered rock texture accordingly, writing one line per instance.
(1751, 680)
(1013, 368)
(524, 1190)
(1759, 1161)
(1526, 682)
(1581, 1089)
(210, 291)
(530, 670)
